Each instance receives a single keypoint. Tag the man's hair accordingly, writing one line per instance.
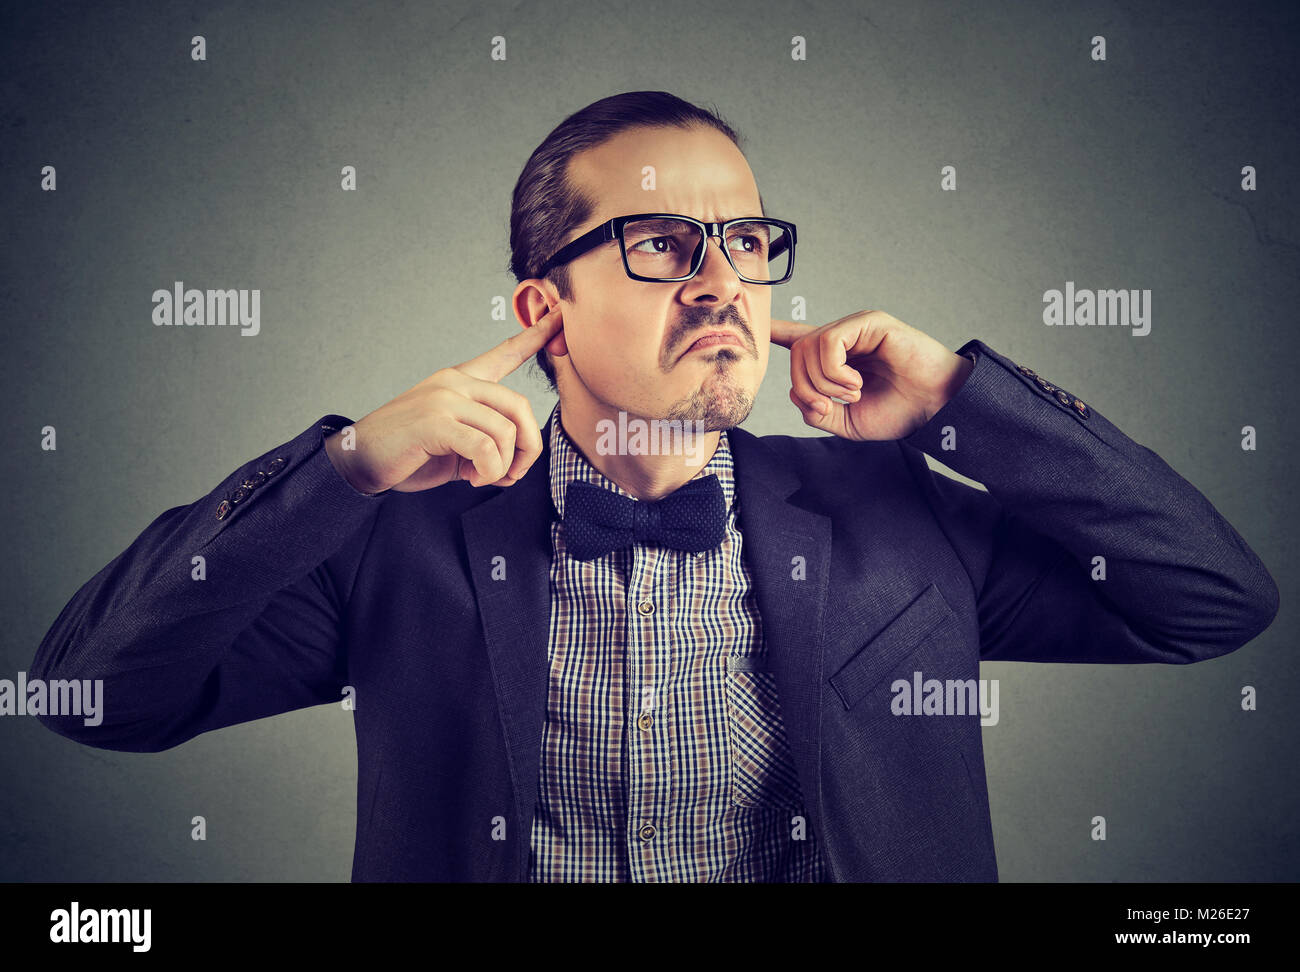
(545, 207)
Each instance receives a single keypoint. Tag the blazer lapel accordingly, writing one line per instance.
(515, 611)
(791, 596)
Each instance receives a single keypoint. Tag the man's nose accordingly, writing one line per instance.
(716, 276)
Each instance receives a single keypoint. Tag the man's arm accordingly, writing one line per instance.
(1066, 486)
(259, 635)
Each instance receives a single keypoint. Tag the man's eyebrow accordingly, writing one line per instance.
(656, 225)
(662, 225)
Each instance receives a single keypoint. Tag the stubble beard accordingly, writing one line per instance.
(720, 402)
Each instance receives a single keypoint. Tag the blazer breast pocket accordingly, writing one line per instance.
(762, 768)
(890, 646)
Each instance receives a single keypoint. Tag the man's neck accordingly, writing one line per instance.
(675, 451)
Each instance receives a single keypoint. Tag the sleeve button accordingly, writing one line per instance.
(274, 466)
(222, 509)
(1063, 397)
(1081, 408)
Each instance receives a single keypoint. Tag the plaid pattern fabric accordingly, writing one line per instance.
(664, 756)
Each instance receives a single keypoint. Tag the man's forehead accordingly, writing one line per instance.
(696, 172)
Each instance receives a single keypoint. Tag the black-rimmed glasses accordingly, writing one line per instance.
(666, 247)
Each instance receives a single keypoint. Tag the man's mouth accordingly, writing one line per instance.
(714, 338)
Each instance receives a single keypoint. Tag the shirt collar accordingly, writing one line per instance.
(568, 464)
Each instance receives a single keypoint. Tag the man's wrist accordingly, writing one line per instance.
(962, 366)
(338, 459)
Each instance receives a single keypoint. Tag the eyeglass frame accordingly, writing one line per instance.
(612, 229)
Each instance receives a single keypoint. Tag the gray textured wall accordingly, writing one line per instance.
(225, 173)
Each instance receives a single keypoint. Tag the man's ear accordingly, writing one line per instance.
(531, 301)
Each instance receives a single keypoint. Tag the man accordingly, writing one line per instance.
(576, 659)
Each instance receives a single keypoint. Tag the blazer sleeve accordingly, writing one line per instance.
(1065, 486)
(258, 634)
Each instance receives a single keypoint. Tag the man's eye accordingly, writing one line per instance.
(655, 243)
(750, 244)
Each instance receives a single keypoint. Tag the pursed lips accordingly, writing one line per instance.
(714, 338)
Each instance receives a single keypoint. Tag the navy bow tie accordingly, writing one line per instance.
(598, 520)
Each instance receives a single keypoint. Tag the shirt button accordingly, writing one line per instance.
(647, 832)
(645, 607)
(645, 720)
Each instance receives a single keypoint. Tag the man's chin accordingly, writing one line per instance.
(718, 406)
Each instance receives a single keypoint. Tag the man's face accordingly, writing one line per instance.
(629, 341)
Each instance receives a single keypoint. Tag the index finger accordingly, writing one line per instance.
(785, 333)
(495, 363)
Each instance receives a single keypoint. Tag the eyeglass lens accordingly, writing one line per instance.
(666, 248)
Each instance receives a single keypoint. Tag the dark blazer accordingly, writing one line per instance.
(311, 587)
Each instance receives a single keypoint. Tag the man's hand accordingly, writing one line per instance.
(893, 376)
(458, 423)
